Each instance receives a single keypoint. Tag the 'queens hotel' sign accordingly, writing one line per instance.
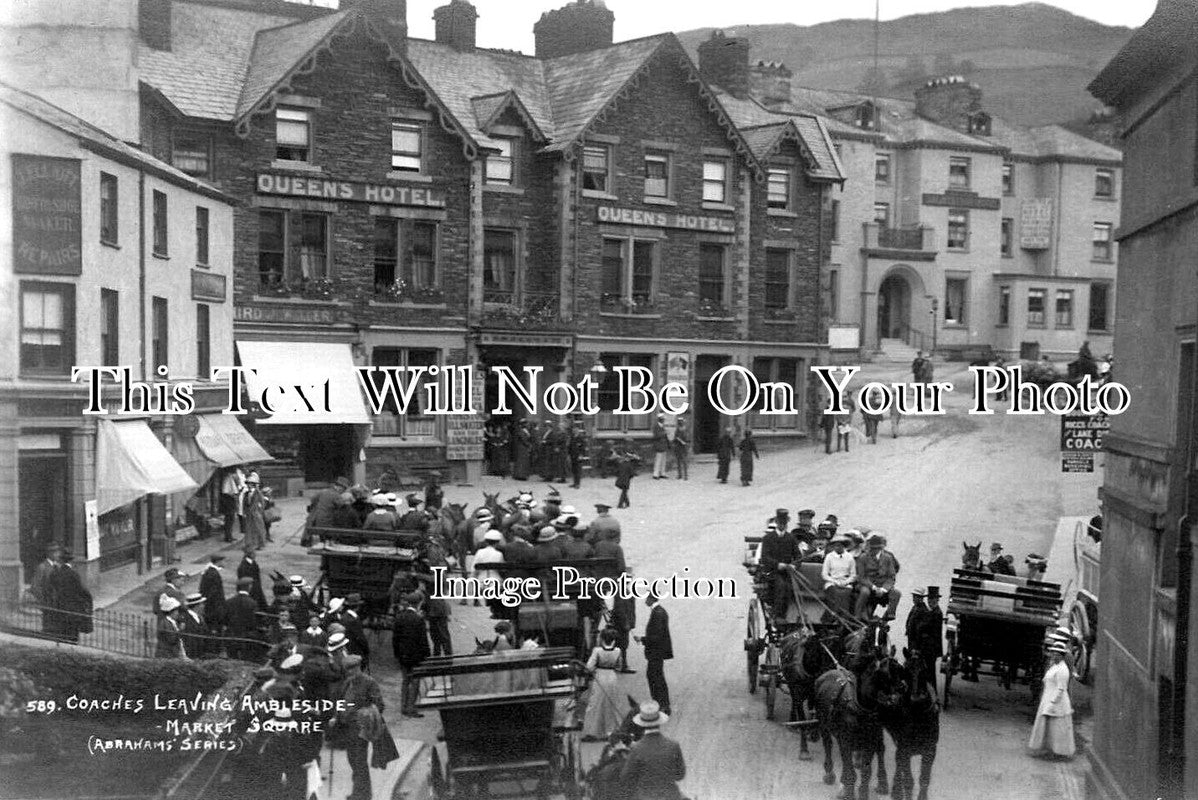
(298, 186)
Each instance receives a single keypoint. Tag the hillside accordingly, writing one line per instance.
(1033, 61)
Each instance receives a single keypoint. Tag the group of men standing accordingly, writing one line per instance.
(552, 450)
(57, 589)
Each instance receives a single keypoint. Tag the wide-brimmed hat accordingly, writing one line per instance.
(547, 534)
(876, 540)
(337, 641)
(839, 538)
(297, 581)
(565, 521)
(195, 598)
(651, 716)
(336, 603)
(493, 536)
(168, 603)
(291, 664)
(1058, 648)
(253, 478)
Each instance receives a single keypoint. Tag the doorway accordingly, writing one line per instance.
(707, 417)
(894, 308)
(42, 484)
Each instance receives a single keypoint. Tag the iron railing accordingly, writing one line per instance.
(122, 632)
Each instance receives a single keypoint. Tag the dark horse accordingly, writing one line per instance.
(850, 708)
(915, 729)
(972, 557)
(805, 655)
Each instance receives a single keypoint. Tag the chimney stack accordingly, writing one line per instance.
(154, 23)
(393, 14)
(575, 28)
(724, 61)
(770, 82)
(950, 101)
(456, 25)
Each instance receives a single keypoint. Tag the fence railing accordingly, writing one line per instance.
(127, 633)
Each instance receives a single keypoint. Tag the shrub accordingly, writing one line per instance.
(60, 673)
(1041, 373)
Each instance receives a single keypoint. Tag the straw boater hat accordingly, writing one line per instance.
(840, 537)
(291, 664)
(337, 641)
(493, 536)
(253, 478)
(917, 592)
(650, 716)
(547, 534)
(1059, 648)
(336, 603)
(195, 598)
(298, 581)
(379, 501)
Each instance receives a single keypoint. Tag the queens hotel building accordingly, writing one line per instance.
(410, 202)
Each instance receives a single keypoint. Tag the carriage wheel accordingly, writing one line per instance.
(753, 634)
(437, 777)
(1081, 651)
(949, 666)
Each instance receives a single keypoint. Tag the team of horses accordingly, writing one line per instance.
(859, 691)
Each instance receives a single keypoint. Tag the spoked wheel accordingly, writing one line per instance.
(949, 666)
(754, 630)
(436, 777)
(1079, 649)
(773, 674)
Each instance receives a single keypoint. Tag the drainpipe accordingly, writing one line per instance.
(143, 508)
(1185, 577)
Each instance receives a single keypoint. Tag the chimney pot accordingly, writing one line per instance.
(950, 101)
(154, 23)
(575, 28)
(724, 61)
(456, 25)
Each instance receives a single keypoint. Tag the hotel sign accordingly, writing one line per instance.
(1035, 224)
(352, 191)
(208, 286)
(46, 215)
(663, 219)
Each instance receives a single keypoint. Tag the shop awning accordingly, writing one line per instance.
(131, 463)
(225, 441)
(308, 365)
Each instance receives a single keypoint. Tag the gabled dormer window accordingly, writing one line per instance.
(979, 124)
(866, 116)
(501, 165)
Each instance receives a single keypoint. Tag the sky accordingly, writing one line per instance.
(508, 23)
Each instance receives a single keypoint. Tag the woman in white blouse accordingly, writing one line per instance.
(1052, 733)
(603, 713)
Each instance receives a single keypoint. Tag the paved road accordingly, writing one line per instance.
(944, 480)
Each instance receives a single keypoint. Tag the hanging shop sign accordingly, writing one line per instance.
(209, 286)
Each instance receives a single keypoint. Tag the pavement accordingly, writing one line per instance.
(944, 480)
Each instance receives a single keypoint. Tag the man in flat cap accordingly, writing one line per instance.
(360, 693)
(877, 569)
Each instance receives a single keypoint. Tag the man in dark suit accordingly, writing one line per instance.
(170, 589)
(354, 629)
(323, 507)
(242, 623)
(359, 691)
(655, 764)
(409, 643)
(41, 591)
(212, 586)
(929, 634)
(248, 568)
(196, 632)
(725, 449)
(658, 649)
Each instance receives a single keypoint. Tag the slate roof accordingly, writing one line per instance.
(204, 72)
(97, 140)
(1054, 140)
(277, 52)
(762, 128)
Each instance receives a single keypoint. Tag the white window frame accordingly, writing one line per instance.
(499, 164)
(961, 316)
(662, 158)
(774, 172)
(1063, 320)
(1103, 244)
(629, 298)
(954, 163)
(595, 150)
(1042, 322)
(289, 116)
(404, 160)
(710, 182)
(882, 168)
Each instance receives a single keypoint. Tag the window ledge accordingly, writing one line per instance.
(780, 321)
(1105, 198)
(708, 206)
(1098, 332)
(410, 177)
(956, 249)
(303, 301)
(781, 212)
(203, 266)
(598, 195)
(391, 440)
(714, 319)
(660, 201)
(107, 243)
(622, 315)
(1102, 261)
(1039, 326)
(162, 256)
(499, 188)
(297, 166)
(407, 304)
(1001, 325)
(956, 326)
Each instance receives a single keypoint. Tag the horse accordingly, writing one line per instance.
(804, 656)
(603, 779)
(866, 644)
(916, 731)
(972, 557)
(451, 529)
(850, 707)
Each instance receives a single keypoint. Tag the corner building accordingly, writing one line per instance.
(411, 203)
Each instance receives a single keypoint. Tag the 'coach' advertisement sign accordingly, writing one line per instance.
(46, 216)
(1081, 438)
(352, 191)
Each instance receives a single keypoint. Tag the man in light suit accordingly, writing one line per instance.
(654, 765)
(658, 649)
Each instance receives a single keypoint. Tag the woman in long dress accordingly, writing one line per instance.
(255, 514)
(603, 713)
(1052, 733)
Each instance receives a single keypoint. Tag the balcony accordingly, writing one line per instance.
(916, 242)
(505, 308)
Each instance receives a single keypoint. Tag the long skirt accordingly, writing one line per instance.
(603, 713)
(1053, 735)
(746, 468)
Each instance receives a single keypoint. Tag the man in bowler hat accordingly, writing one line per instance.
(658, 649)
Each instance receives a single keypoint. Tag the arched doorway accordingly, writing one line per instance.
(894, 307)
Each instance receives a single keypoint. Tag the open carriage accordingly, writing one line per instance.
(508, 730)
(996, 626)
(766, 626)
(363, 562)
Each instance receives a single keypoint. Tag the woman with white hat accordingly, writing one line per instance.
(1052, 733)
(254, 507)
